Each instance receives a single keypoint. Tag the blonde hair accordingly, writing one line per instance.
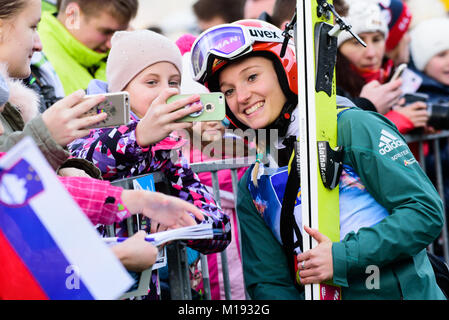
(259, 159)
(10, 8)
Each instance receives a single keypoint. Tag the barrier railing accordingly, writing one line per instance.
(213, 167)
(179, 280)
(434, 141)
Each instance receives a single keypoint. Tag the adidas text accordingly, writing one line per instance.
(391, 146)
(388, 142)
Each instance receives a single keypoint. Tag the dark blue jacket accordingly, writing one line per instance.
(437, 91)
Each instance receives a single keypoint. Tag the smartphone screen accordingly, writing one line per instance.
(410, 81)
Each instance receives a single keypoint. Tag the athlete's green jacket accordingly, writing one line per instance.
(75, 64)
(396, 245)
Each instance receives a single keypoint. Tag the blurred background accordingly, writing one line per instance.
(174, 17)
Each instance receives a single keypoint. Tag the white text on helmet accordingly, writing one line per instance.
(226, 42)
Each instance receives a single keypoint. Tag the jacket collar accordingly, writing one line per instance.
(432, 83)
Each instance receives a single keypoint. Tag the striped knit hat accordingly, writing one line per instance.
(398, 16)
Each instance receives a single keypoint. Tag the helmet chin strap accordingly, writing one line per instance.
(285, 117)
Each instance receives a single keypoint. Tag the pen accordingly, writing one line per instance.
(121, 239)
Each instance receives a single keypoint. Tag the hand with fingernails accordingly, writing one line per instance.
(65, 119)
(383, 96)
(160, 118)
(168, 211)
(416, 112)
(315, 265)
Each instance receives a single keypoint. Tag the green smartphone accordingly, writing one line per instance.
(213, 107)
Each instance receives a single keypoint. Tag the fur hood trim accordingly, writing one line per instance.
(26, 100)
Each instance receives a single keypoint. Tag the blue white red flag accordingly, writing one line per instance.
(48, 247)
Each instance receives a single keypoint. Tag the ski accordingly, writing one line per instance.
(319, 158)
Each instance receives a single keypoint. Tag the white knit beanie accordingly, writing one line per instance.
(428, 39)
(134, 51)
(363, 16)
(425, 10)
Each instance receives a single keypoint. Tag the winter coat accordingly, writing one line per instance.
(20, 118)
(389, 178)
(436, 91)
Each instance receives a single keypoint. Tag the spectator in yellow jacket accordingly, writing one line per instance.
(77, 38)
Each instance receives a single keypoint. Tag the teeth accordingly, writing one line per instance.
(253, 108)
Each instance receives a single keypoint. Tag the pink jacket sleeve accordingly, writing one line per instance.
(99, 200)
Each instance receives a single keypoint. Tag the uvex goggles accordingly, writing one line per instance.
(227, 42)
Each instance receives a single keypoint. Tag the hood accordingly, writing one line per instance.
(26, 100)
(97, 87)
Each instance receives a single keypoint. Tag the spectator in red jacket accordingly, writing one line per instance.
(363, 74)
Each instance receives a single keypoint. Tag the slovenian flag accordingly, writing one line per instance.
(48, 248)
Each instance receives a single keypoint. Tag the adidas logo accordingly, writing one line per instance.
(388, 142)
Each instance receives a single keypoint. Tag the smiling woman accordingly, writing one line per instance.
(260, 89)
(19, 38)
(252, 92)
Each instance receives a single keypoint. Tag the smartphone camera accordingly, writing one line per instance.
(209, 107)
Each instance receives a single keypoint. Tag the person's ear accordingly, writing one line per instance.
(72, 16)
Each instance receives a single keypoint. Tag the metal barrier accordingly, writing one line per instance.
(145, 277)
(434, 139)
(213, 168)
(176, 252)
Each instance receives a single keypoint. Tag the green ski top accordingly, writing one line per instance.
(392, 187)
(75, 64)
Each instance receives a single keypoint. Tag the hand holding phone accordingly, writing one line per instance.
(161, 117)
(383, 96)
(64, 119)
(398, 72)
